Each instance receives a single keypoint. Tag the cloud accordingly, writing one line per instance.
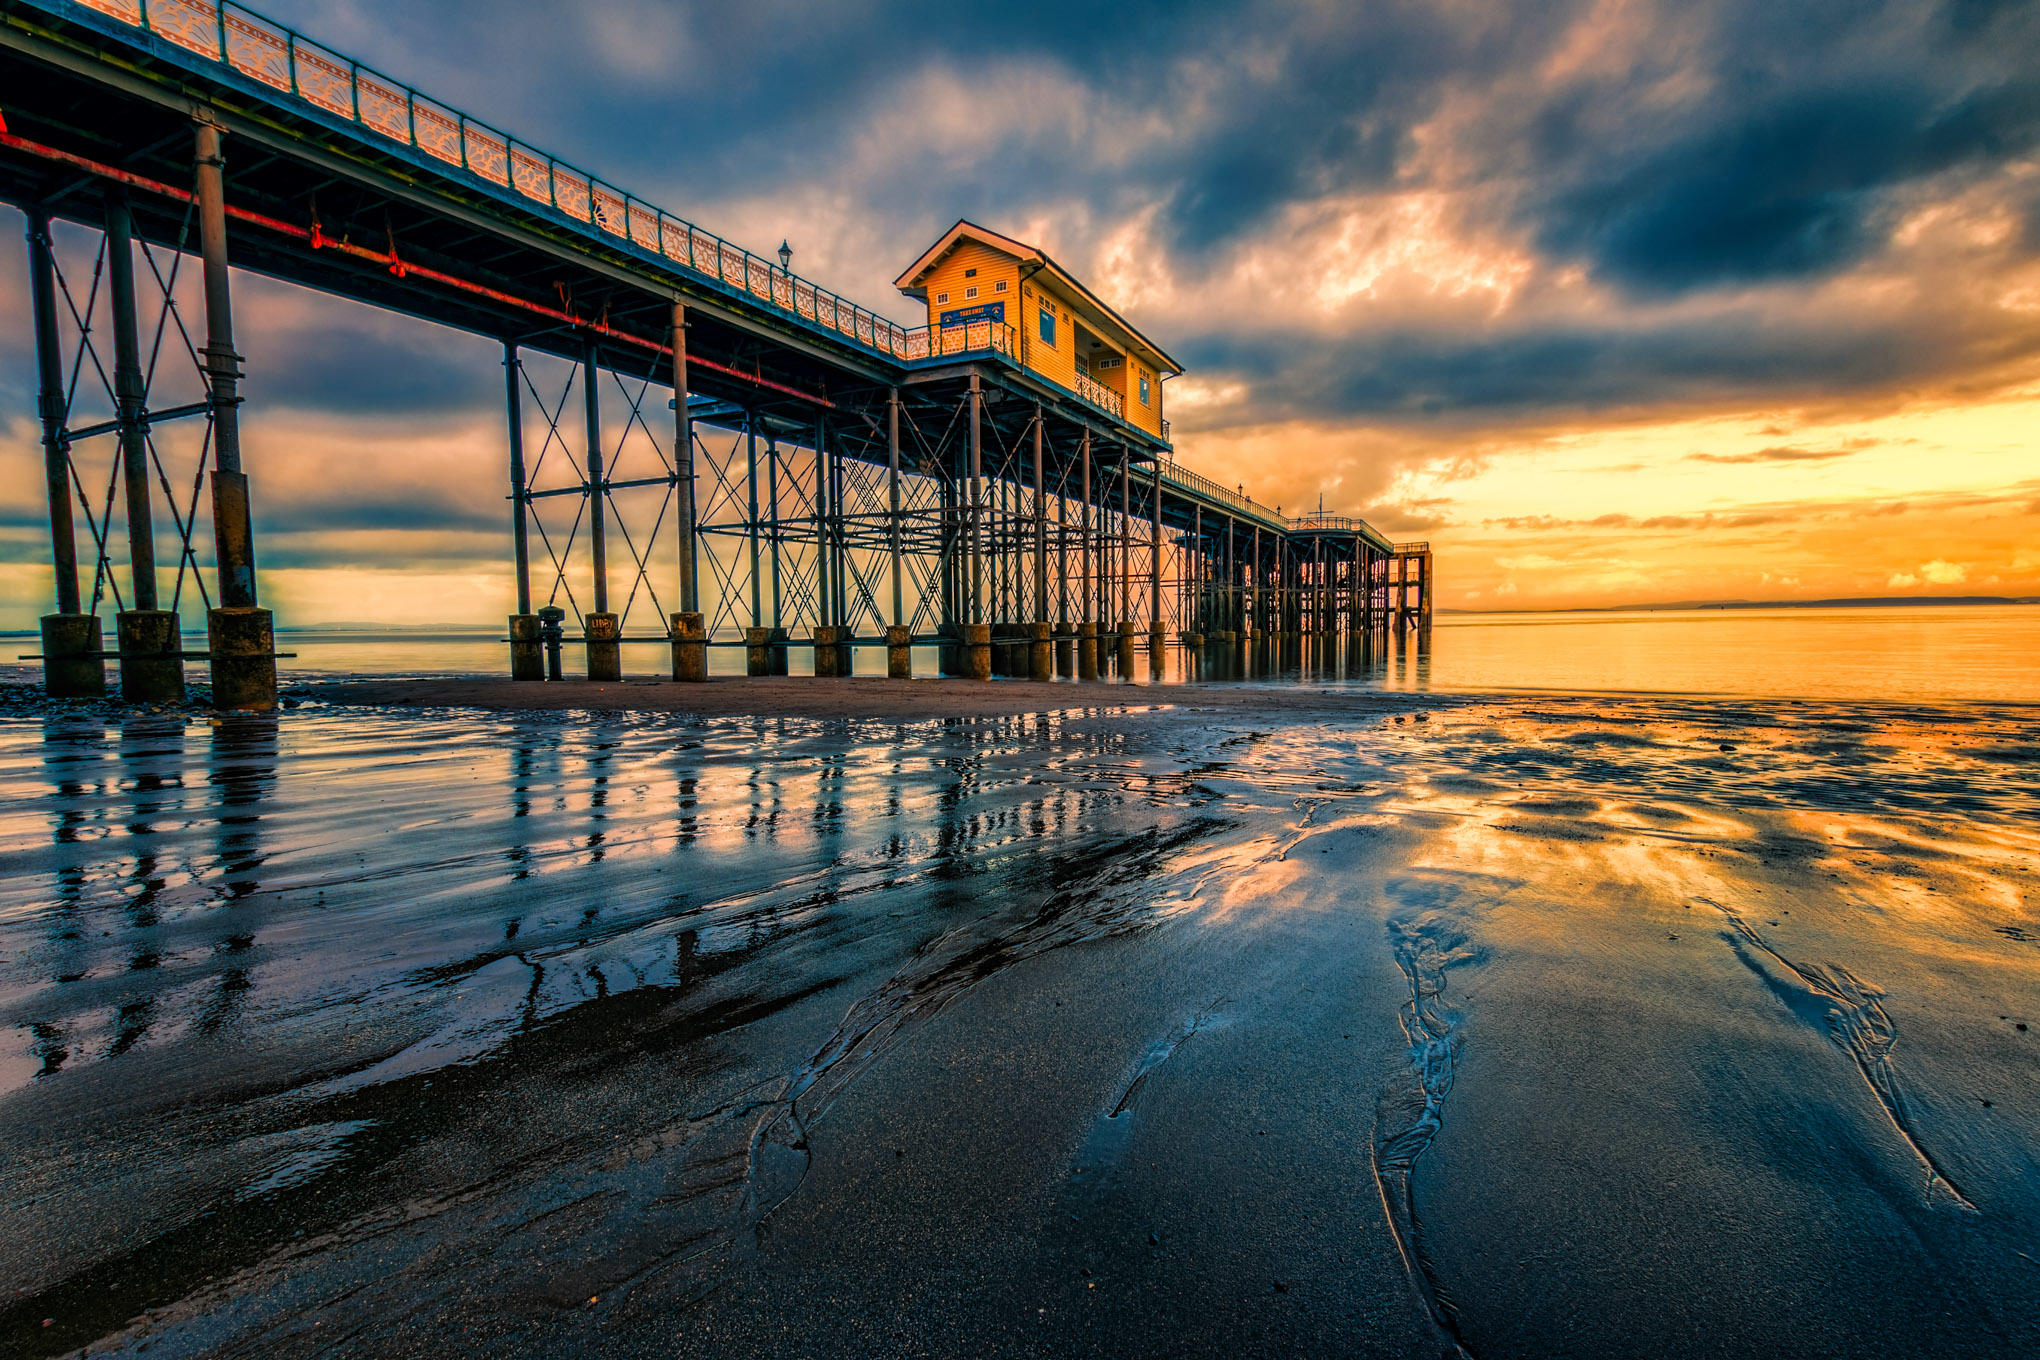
(1938, 572)
(1617, 520)
(1491, 375)
(1943, 573)
(1778, 454)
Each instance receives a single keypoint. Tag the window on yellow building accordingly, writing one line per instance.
(1047, 326)
(1144, 389)
(941, 298)
(971, 291)
(999, 287)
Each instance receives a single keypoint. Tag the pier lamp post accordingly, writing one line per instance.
(785, 256)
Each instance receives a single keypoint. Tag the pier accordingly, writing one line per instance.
(792, 471)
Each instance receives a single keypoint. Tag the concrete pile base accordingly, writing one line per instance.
(977, 651)
(527, 654)
(151, 667)
(604, 634)
(690, 647)
(74, 665)
(243, 647)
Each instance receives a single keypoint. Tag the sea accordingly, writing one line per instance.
(1918, 653)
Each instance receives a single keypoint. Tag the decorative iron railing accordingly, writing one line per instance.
(1340, 524)
(287, 61)
(1098, 394)
(1412, 549)
(1185, 480)
(972, 337)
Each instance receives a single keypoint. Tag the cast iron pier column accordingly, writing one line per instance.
(241, 635)
(527, 657)
(151, 667)
(72, 662)
(600, 628)
(688, 632)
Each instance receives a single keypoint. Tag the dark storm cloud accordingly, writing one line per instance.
(1353, 84)
(1787, 188)
(1814, 108)
(1726, 147)
(423, 514)
(1484, 375)
(324, 354)
(1817, 111)
(352, 373)
(1293, 100)
(371, 552)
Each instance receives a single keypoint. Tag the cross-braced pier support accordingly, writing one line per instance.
(149, 648)
(831, 483)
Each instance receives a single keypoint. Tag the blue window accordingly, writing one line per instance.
(1047, 326)
(1144, 391)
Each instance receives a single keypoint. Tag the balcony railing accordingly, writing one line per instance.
(287, 61)
(972, 337)
(1411, 549)
(1098, 394)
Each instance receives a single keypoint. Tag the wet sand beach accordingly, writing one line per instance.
(848, 697)
(1147, 1021)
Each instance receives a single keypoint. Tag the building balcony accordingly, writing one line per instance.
(1098, 394)
(972, 337)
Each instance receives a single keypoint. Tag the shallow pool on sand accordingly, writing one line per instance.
(1404, 1026)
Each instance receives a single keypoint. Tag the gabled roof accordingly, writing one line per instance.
(913, 280)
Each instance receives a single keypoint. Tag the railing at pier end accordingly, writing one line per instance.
(1183, 479)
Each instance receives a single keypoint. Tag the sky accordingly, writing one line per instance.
(1611, 302)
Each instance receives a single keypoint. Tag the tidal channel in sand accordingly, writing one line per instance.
(1289, 1022)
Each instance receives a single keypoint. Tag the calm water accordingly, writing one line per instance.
(1987, 652)
(1981, 652)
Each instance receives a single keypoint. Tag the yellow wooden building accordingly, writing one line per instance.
(987, 290)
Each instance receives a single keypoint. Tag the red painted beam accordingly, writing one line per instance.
(390, 260)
